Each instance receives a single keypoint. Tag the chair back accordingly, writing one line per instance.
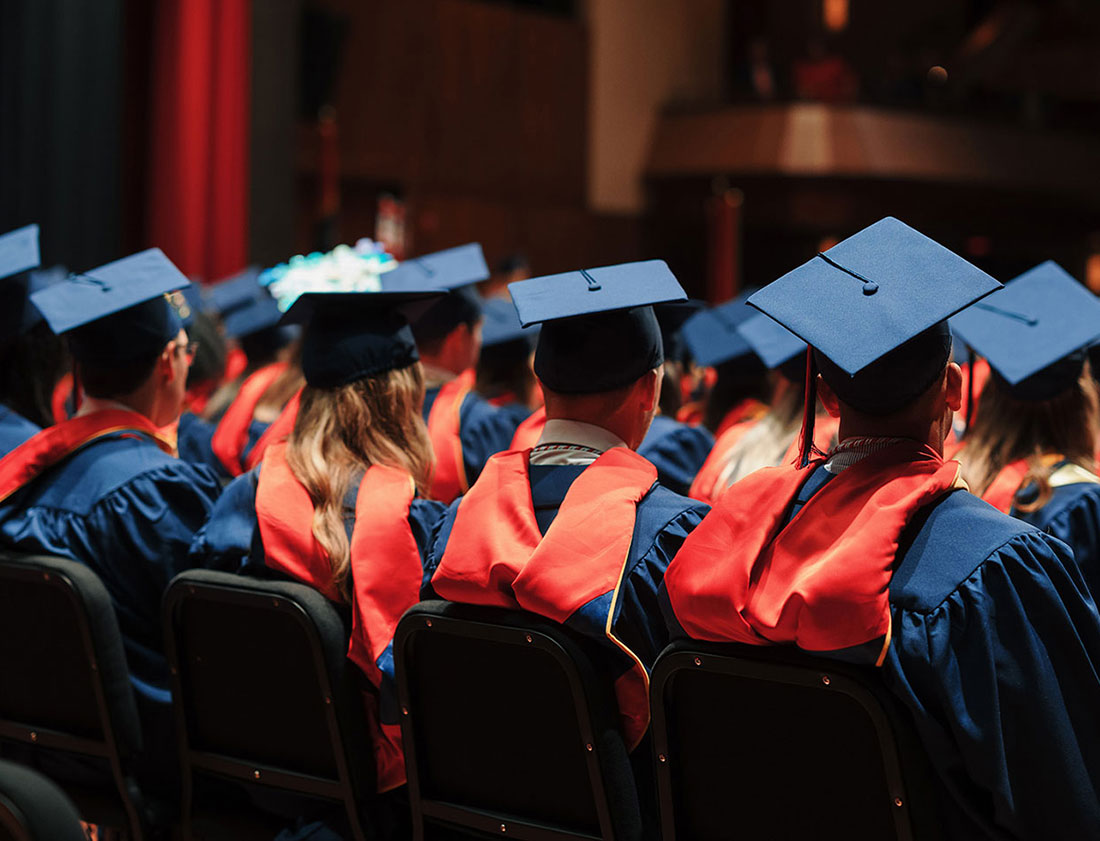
(34, 809)
(778, 744)
(66, 686)
(264, 693)
(509, 727)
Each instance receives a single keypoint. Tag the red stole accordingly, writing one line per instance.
(53, 444)
(386, 570)
(278, 431)
(1002, 490)
(691, 413)
(529, 431)
(496, 556)
(231, 435)
(705, 486)
(63, 391)
(235, 364)
(449, 480)
(749, 409)
(821, 581)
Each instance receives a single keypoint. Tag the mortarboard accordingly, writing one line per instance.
(255, 324)
(455, 270)
(874, 308)
(711, 335)
(1035, 334)
(671, 318)
(599, 331)
(353, 335)
(502, 326)
(18, 314)
(774, 344)
(234, 291)
(19, 251)
(118, 312)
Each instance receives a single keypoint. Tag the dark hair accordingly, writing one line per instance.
(115, 380)
(736, 381)
(671, 395)
(504, 369)
(30, 366)
(208, 365)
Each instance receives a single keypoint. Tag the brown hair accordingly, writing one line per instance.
(342, 431)
(1005, 430)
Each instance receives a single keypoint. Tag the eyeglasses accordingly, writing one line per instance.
(189, 350)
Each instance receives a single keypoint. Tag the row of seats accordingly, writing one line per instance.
(509, 728)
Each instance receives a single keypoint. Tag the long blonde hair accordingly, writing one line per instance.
(1006, 430)
(340, 432)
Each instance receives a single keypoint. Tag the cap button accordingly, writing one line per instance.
(870, 288)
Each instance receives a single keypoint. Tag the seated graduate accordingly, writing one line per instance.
(740, 387)
(1030, 449)
(982, 625)
(504, 374)
(465, 429)
(770, 439)
(32, 358)
(547, 529)
(339, 504)
(104, 487)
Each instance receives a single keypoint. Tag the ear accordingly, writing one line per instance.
(165, 369)
(953, 387)
(827, 397)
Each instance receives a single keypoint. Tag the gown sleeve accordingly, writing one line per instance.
(1002, 680)
(229, 540)
(677, 451)
(193, 442)
(1078, 526)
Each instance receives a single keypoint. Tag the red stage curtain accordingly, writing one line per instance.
(198, 179)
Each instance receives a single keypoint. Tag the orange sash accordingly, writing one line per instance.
(530, 430)
(444, 426)
(386, 570)
(705, 486)
(822, 580)
(496, 556)
(59, 400)
(749, 409)
(1002, 490)
(690, 413)
(278, 431)
(53, 444)
(235, 364)
(231, 435)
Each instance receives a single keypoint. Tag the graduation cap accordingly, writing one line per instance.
(671, 318)
(116, 313)
(599, 331)
(454, 270)
(502, 327)
(233, 292)
(18, 314)
(774, 344)
(19, 251)
(353, 335)
(875, 308)
(1036, 333)
(711, 335)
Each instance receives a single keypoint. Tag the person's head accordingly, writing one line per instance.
(450, 341)
(626, 411)
(30, 366)
(343, 430)
(208, 367)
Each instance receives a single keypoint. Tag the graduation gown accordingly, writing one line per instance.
(677, 450)
(262, 526)
(465, 431)
(124, 507)
(193, 440)
(14, 429)
(580, 594)
(994, 647)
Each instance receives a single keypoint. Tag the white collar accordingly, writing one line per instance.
(572, 442)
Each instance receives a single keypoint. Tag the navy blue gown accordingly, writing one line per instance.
(677, 451)
(484, 430)
(14, 429)
(194, 442)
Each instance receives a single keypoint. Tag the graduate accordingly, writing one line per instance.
(981, 625)
(32, 358)
(1030, 449)
(340, 504)
(547, 529)
(104, 487)
(504, 374)
(465, 429)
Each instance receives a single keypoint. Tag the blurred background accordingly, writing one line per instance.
(734, 138)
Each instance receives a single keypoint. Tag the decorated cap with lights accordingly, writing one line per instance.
(1035, 334)
(117, 313)
(599, 332)
(353, 335)
(711, 335)
(455, 270)
(19, 251)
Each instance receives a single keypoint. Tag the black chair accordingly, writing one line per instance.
(265, 697)
(34, 809)
(509, 729)
(763, 742)
(66, 702)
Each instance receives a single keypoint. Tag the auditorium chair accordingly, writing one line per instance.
(270, 715)
(34, 809)
(509, 729)
(66, 703)
(783, 745)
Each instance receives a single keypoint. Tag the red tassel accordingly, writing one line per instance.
(809, 411)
